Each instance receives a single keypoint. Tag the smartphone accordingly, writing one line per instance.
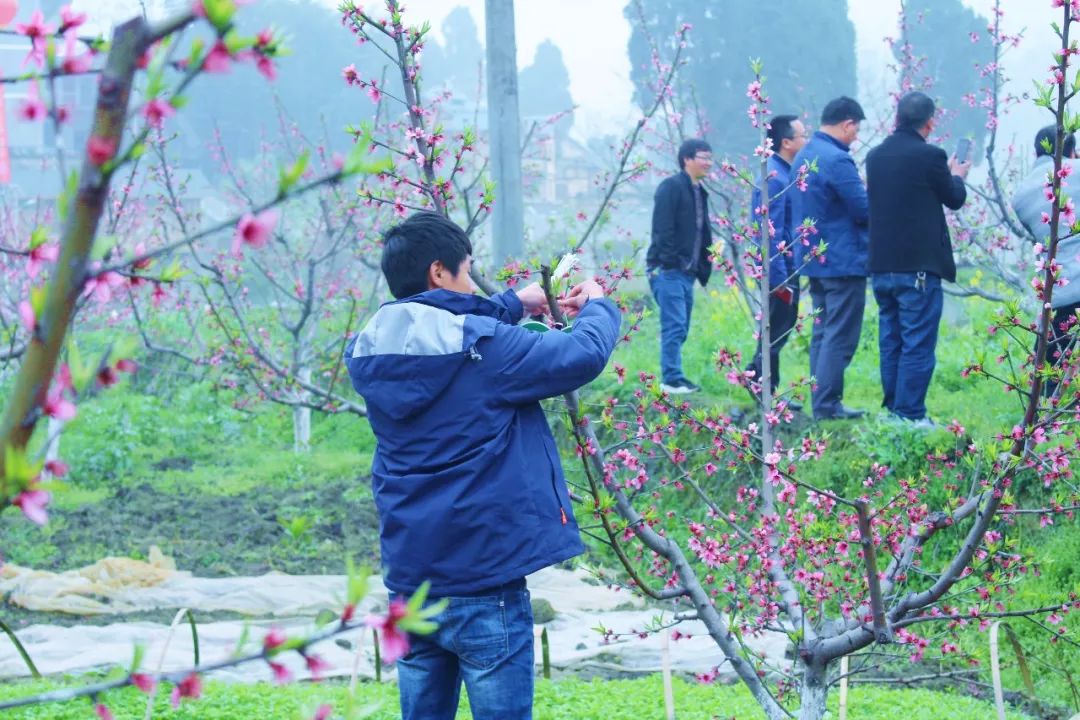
(963, 149)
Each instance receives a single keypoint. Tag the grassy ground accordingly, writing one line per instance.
(562, 700)
(183, 470)
(215, 488)
(220, 489)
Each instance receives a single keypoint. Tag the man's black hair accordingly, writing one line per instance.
(690, 148)
(841, 110)
(914, 110)
(1047, 138)
(410, 247)
(780, 129)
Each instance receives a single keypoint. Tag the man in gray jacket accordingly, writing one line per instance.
(1031, 203)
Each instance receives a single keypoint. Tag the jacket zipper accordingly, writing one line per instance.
(554, 488)
(562, 510)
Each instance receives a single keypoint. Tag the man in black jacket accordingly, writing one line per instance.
(908, 181)
(679, 254)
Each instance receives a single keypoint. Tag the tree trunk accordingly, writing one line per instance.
(815, 691)
(52, 450)
(504, 123)
(302, 418)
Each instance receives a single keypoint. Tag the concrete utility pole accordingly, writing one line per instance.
(504, 129)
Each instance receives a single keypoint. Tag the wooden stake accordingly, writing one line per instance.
(843, 687)
(665, 664)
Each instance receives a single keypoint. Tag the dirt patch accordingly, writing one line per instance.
(302, 531)
(183, 464)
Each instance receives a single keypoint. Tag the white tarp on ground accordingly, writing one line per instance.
(291, 602)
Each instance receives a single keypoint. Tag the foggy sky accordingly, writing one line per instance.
(593, 36)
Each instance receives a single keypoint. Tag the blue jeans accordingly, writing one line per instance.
(485, 641)
(674, 293)
(908, 317)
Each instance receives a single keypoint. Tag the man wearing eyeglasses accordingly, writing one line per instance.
(836, 201)
(678, 255)
(787, 136)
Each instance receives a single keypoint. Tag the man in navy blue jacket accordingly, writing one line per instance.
(835, 199)
(678, 255)
(910, 251)
(466, 474)
(787, 136)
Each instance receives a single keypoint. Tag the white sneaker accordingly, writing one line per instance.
(679, 387)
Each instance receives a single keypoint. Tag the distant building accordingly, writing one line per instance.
(557, 168)
(33, 146)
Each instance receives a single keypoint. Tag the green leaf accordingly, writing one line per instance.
(63, 203)
(356, 588)
(155, 83)
(433, 609)
(416, 602)
(245, 634)
(220, 13)
(39, 237)
(325, 617)
(38, 296)
(288, 177)
(137, 658)
(195, 54)
(18, 468)
(174, 272)
(125, 346)
(81, 371)
(103, 246)
(417, 626)
(235, 42)
(360, 161)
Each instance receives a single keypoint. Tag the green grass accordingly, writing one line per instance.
(209, 484)
(174, 463)
(720, 319)
(558, 700)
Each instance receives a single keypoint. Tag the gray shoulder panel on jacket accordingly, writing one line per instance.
(411, 329)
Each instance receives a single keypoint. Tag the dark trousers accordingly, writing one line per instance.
(838, 307)
(782, 318)
(909, 313)
(1061, 341)
(674, 293)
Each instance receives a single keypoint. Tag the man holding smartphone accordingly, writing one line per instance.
(908, 182)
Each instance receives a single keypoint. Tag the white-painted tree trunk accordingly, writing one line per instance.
(54, 430)
(302, 418)
(815, 691)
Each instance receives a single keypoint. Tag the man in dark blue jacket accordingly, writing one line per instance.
(835, 199)
(787, 136)
(910, 251)
(678, 255)
(466, 474)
